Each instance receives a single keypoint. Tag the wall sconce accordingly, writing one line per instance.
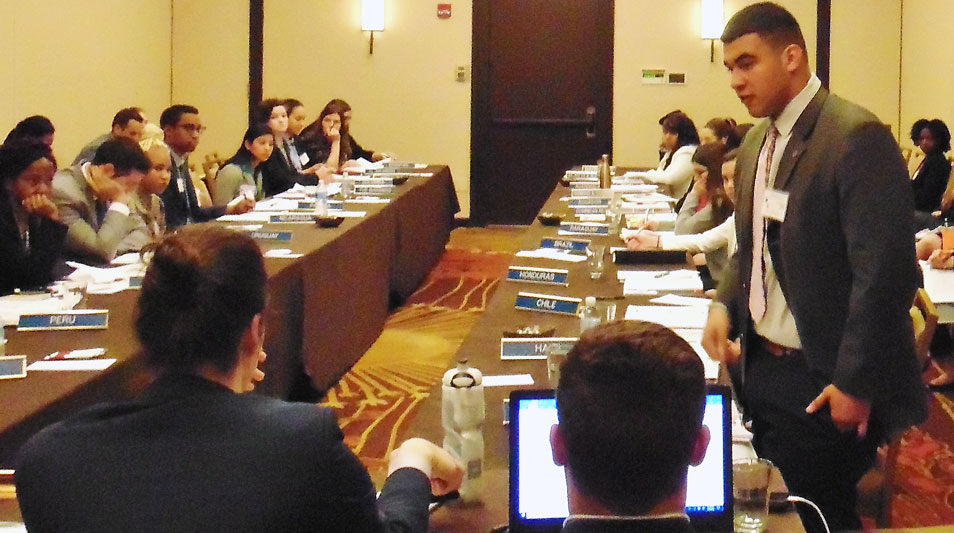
(372, 18)
(712, 22)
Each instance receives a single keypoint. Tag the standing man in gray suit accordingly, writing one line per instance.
(824, 275)
(93, 198)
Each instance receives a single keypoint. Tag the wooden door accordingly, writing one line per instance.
(542, 100)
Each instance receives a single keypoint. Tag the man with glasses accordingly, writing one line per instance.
(181, 129)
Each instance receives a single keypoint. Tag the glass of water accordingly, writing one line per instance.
(750, 491)
(594, 260)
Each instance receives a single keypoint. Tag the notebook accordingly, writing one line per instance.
(538, 499)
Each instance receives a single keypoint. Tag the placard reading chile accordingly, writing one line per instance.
(570, 245)
(516, 348)
(79, 319)
(549, 276)
(547, 303)
(583, 228)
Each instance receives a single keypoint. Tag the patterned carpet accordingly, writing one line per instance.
(382, 391)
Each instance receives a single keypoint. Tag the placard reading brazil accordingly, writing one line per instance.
(550, 276)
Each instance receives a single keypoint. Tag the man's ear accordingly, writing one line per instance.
(254, 336)
(698, 451)
(557, 445)
(792, 57)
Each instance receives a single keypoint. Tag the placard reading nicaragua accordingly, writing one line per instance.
(291, 218)
(532, 347)
(583, 228)
(589, 210)
(570, 245)
(79, 319)
(591, 193)
(547, 303)
(283, 236)
(550, 276)
(584, 202)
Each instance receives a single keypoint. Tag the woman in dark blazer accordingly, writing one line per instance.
(325, 140)
(929, 176)
(279, 173)
(31, 237)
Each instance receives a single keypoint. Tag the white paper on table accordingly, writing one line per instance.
(251, 216)
(631, 188)
(369, 200)
(245, 227)
(669, 316)
(71, 365)
(89, 274)
(675, 299)
(663, 217)
(552, 253)
(284, 253)
(277, 204)
(107, 287)
(346, 214)
(677, 280)
(634, 208)
(939, 284)
(508, 380)
(130, 258)
(651, 198)
(368, 165)
(35, 303)
(591, 218)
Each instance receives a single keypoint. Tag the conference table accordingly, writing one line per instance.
(482, 350)
(324, 310)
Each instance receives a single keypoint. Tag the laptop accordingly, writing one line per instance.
(538, 499)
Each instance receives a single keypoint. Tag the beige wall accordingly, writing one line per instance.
(80, 62)
(405, 98)
(866, 55)
(649, 37)
(210, 69)
(927, 71)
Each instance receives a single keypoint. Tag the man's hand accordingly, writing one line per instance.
(847, 412)
(242, 206)
(104, 187)
(445, 472)
(41, 205)
(715, 337)
(942, 259)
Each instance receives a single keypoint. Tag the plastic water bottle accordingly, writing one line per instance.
(590, 316)
(321, 199)
(462, 416)
(347, 188)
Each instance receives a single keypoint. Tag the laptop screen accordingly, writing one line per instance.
(538, 495)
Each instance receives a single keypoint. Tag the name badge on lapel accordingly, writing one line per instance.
(303, 159)
(546, 303)
(776, 204)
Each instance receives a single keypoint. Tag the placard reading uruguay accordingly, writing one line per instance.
(551, 276)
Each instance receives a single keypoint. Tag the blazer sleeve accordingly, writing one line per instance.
(358, 151)
(874, 199)
(688, 220)
(677, 174)
(707, 241)
(402, 506)
(227, 183)
(81, 238)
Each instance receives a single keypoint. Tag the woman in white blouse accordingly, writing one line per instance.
(679, 141)
(721, 236)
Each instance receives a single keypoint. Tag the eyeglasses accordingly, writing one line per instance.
(192, 128)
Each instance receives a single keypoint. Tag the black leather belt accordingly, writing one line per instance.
(776, 349)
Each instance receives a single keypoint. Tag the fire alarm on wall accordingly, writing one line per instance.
(443, 11)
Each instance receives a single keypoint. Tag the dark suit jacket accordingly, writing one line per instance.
(180, 206)
(930, 182)
(844, 255)
(647, 525)
(278, 175)
(20, 269)
(193, 456)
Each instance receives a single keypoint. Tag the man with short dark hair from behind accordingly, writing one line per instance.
(630, 403)
(181, 128)
(127, 122)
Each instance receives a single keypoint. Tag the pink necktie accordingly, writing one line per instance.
(757, 288)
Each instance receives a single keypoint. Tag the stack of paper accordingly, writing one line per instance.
(641, 281)
(41, 303)
(683, 317)
(552, 253)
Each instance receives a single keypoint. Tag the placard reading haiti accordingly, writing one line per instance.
(80, 319)
(547, 303)
(532, 347)
(583, 228)
(570, 245)
(550, 276)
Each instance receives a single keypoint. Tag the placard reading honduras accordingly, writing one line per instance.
(570, 245)
(532, 347)
(583, 228)
(550, 276)
(283, 236)
(79, 319)
(584, 201)
(547, 303)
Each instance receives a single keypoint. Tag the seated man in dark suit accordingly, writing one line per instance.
(93, 200)
(195, 453)
(630, 402)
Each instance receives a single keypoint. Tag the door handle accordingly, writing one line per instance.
(591, 122)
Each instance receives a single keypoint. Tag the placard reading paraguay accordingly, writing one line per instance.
(583, 228)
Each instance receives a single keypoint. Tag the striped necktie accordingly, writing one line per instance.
(757, 290)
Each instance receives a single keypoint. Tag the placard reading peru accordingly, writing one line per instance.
(283, 236)
(291, 218)
(570, 245)
(550, 276)
(532, 347)
(547, 303)
(79, 319)
(583, 228)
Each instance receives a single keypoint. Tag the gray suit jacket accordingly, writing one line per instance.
(844, 254)
(87, 239)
